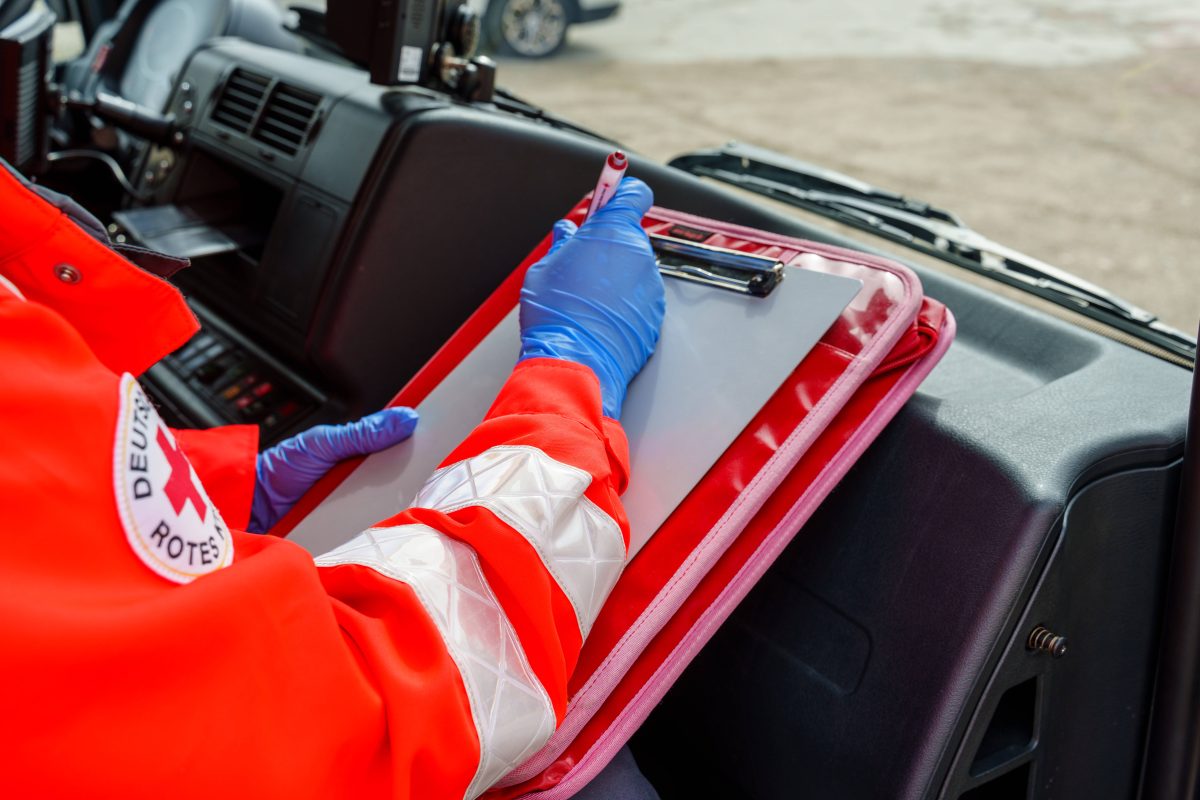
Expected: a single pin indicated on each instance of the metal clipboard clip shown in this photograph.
(716, 266)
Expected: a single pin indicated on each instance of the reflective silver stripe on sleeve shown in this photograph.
(512, 712)
(542, 499)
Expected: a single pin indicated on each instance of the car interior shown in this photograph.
(347, 204)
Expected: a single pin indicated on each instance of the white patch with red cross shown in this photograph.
(170, 522)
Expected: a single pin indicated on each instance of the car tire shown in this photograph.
(528, 28)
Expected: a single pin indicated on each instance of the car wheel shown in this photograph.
(528, 28)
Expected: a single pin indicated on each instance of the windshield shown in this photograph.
(1067, 133)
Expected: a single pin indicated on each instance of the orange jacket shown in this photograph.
(148, 647)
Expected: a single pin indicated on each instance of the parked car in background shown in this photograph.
(537, 28)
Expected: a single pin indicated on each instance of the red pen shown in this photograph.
(610, 176)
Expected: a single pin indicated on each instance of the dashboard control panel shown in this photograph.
(215, 379)
(234, 383)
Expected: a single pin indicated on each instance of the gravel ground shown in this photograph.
(1073, 135)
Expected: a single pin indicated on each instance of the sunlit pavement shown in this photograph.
(1068, 130)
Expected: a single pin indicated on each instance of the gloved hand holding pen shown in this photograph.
(596, 298)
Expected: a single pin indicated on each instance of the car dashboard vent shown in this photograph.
(241, 100)
(272, 112)
(288, 118)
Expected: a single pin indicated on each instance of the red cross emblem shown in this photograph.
(180, 488)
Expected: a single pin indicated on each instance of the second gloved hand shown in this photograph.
(286, 471)
(596, 298)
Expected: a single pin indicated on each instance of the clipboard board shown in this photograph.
(746, 507)
(721, 356)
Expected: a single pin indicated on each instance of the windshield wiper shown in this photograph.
(926, 228)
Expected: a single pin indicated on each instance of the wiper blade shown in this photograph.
(926, 228)
(950, 238)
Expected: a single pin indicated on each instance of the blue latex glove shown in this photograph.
(597, 298)
(287, 470)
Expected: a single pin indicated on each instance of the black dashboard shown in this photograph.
(277, 154)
